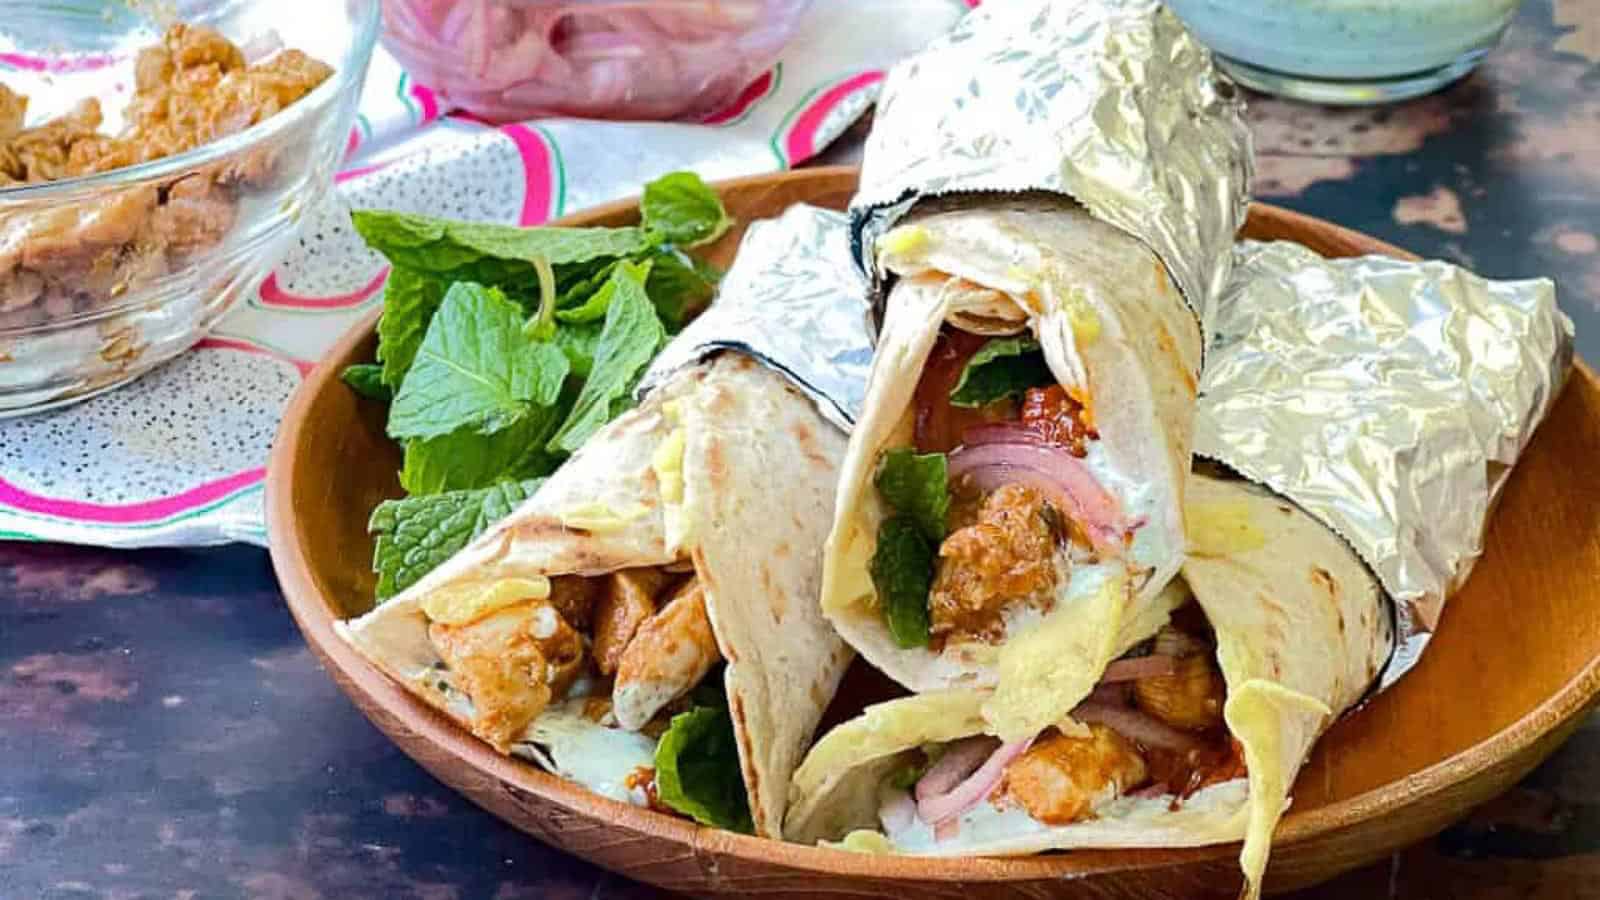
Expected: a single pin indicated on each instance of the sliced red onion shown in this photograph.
(1061, 476)
(1135, 726)
(947, 830)
(1134, 668)
(897, 813)
(530, 53)
(977, 786)
(960, 759)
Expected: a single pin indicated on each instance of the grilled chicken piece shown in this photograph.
(510, 662)
(1190, 698)
(574, 596)
(1061, 779)
(628, 599)
(197, 214)
(13, 110)
(667, 657)
(1006, 556)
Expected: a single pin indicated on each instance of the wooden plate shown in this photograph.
(1511, 672)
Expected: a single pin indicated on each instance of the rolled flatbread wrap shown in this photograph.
(661, 582)
(1035, 373)
(1193, 738)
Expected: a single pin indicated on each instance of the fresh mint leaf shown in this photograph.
(680, 286)
(1000, 368)
(697, 768)
(542, 327)
(683, 210)
(579, 342)
(366, 379)
(576, 292)
(629, 340)
(916, 485)
(410, 299)
(593, 309)
(416, 534)
(486, 252)
(902, 573)
(464, 459)
(475, 369)
(906, 777)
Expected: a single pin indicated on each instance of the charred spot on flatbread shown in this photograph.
(806, 440)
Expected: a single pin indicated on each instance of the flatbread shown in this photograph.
(1110, 322)
(758, 473)
(1302, 629)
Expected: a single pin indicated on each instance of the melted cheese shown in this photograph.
(1221, 528)
(458, 604)
(598, 518)
(1085, 321)
(1046, 671)
(863, 840)
(906, 242)
(668, 465)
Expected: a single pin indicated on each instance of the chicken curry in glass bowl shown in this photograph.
(152, 165)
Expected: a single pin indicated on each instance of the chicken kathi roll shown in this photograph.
(1011, 500)
(646, 623)
(1193, 736)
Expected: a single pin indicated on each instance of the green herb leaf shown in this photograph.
(905, 777)
(916, 485)
(683, 210)
(1001, 367)
(902, 572)
(486, 252)
(579, 343)
(410, 299)
(465, 460)
(697, 769)
(629, 340)
(366, 379)
(418, 533)
(680, 286)
(575, 290)
(542, 327)
(594, 308)
(475, 369)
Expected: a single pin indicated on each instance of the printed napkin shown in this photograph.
(178, 457)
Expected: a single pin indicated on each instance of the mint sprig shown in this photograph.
(476, 369)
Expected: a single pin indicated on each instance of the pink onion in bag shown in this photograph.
(507, 60)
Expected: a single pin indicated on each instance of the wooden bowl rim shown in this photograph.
(314, 615)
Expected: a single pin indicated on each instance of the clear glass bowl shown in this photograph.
(136, 301)
(1347, 52)
(507, 60)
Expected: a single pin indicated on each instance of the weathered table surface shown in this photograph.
(165, 733)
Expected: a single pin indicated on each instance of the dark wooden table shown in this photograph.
(164, 733)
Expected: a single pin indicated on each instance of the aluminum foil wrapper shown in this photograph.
(793, 301)
(1389, 399)
(1111, 102)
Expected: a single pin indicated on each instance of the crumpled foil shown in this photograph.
(793, 301)
(1389, 399)
(1111, 102)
